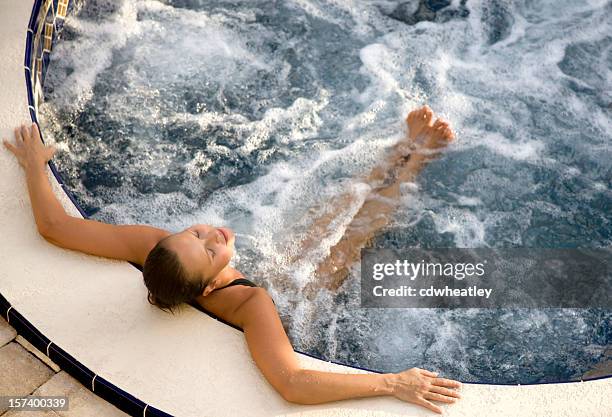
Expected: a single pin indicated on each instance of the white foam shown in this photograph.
(468, 230)
(91, 54)
(318, 11)
(468, 201)
(496, 97)
(522, 150)
(302, 116)
(379, 64)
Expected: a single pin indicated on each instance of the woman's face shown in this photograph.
(204, 250)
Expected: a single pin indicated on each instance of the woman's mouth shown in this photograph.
(225, 235)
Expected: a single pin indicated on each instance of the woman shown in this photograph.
(193, 266)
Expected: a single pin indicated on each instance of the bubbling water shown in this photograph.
(255, 114)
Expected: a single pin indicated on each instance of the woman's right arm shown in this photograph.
(124, 242)
(275, 357)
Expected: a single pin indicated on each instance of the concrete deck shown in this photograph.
(24, 374)
(188, 365)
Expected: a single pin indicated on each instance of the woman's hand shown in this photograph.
(419, 386)
(28, 148)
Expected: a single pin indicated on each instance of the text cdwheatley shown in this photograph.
(408, 291)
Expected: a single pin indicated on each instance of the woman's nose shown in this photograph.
(213, 236)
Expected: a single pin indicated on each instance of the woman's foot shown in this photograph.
(423, 133)
(419, 122)
(425, 141)
(432, 135)
(439, 135)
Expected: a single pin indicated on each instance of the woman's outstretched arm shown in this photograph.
(125, 242)
(273, 354)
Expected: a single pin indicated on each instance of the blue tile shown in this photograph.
(74, 201)
(69, 364)
(33, 115)
(4, 306)
(30, 93)
(156, 412)
(28, 52)
(120, 398)
(34, 16)
(27, 330)
(55, 172)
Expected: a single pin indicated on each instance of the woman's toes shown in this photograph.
(447, 134)
(427, 114)
(440, 122)
(413, 116)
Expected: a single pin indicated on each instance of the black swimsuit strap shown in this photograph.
(240, 281)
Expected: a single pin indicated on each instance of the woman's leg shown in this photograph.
(320, 226)
(406, 159)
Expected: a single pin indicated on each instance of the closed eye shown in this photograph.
(211, 251)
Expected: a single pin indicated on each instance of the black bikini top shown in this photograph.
(238, 281)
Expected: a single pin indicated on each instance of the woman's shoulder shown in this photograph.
(224, 304)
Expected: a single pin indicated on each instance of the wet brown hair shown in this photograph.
(167, 280)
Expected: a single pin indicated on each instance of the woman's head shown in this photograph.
(185, 264)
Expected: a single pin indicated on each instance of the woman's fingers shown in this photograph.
(18, 138)
(17, 151)
(9, 146)
(49, 152)
(28, 147)
(428, 404)
(445, 391)
(439, 397)
(35, 131)
(421, 387)
(443, 382)
(428, 373)
(25, 133)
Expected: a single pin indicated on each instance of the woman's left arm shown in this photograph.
(272, 352)
(125, 242)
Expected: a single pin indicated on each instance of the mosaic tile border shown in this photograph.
(47, 16)
(44, 28)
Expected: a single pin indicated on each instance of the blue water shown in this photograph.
(248, 114)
